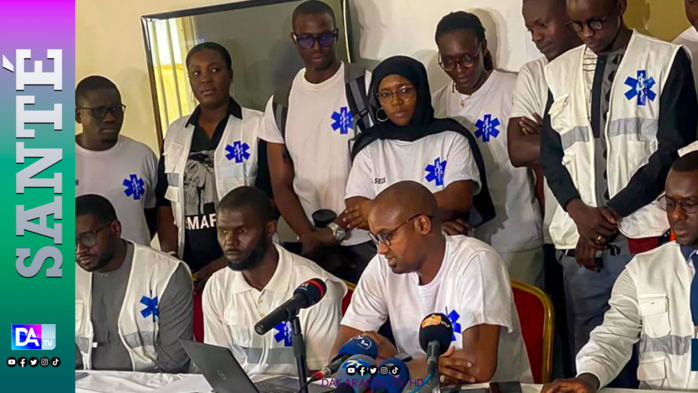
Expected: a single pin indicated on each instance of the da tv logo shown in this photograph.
(34, 337)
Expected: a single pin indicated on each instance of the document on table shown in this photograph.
(193, 383)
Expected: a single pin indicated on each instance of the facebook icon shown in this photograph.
(33, 337)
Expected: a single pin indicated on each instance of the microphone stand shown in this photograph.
(433, 369)
(299, 352)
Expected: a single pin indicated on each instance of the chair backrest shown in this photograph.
(198, 318)
(347, 298)
(536, 317)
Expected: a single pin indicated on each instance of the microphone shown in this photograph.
(393, 375)
(435, 338)
(354, 373)
(306, 295)
(359, 345)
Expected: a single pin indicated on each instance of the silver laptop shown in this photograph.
(225, 375)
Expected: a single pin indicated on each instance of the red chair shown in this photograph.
(198, 319)
(347, 298)
(536, 317)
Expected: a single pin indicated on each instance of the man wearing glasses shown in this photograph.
(481, 100)
(620, 107)
(418, 271)
(655, 301)
(132, 304)
(308, 125)
(115, 166)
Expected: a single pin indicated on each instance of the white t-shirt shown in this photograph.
(518, 224)
(126, 175)
(435, 161)
(474, 289)
(231, 308)
(318, 130)
(689, 39)
(531, 96)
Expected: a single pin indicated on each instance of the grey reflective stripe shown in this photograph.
(670, 345)
(274, 355)
(635, 129)
(140, 339)
(577, 134)
(173, 179)
(83, 344)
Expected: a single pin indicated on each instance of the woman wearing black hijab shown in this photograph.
(408, 143)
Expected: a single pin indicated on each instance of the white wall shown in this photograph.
(109, 41)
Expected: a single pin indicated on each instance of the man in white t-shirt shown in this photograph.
(260, 277)
(481, 101)
(546, 21)
(689, 38)
(458, 276)
(117, 167)
(308, 154)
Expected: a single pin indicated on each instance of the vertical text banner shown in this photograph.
(37, 196)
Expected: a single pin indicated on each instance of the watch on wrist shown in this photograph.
(338, 232)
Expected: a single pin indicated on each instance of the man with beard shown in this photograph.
(260, 277)
(132, 304)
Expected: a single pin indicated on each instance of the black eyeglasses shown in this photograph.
(89, 239)
(307, 41)
(594, 24)
(385, 237)
(405, 93)
(688, 206)
(98, 112)
(466, 61)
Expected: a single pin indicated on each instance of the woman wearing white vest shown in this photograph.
(481, 100)
(655, 301)
(132, 304)
(408, 143)
(205, 155)
(620, 108)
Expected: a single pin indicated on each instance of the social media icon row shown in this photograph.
(373, 370)
(33, 362)
(36, 337)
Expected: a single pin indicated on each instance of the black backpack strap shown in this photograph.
(279, 104)
(355, 82)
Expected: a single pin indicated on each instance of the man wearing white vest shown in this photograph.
(481, 100)
(260, 277)
(112, 165)
(546, 21)
(309, 123)
(655, 301)
(132, 304)
(620, 107)
(205, 155)
(689, 38)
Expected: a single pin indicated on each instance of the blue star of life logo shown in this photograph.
(435, 172)
(238, 152)
(454, 317)
(343, 120)
(151, 307)
(135, 187)
(641, 88)
(283, 333)
(487, 127)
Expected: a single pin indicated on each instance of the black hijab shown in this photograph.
(423, 123)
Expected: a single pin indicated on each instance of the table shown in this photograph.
(134, 382)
